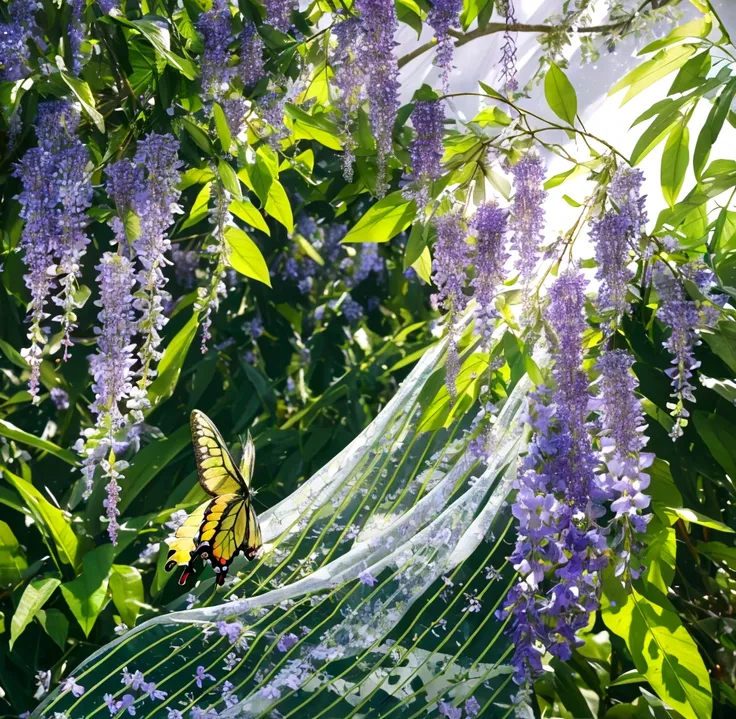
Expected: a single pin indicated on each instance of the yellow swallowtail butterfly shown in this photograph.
(223, 526)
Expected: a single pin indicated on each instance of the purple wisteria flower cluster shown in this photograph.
(508, 57)
(278, 13)
(558, 501)
(489, 224)
(376, 56)
(614, 235)
(426, 149)
(215, 26)
(14, 36)
(526, 221)
(250, 68)
(682, 317)
(208, 298)
(57, 191)
(451, 261)
(132, 300)
(443, 16)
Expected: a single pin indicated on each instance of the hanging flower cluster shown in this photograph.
(250, 68)
(558, 499)
(215, 25)
(426, 149)
(209, 297)
(526, 221)
(14, 36)
(56, 194)
(489, 225)
(278, 13)
(508, 57)
(451, 260)
(77, 33)
(376, 56)
(443, 16)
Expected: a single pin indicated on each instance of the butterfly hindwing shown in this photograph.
(217, 471)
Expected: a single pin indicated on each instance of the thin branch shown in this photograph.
(495, 27)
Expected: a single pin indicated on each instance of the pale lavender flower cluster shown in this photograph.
(215, 25)
(370, 261)
(112, 365)
(107, 6)
(613, 235)
(250, 67)
(349, 77)
(508, 57)
(622, 439)
(625, 191)
(527, 214)
(278, 13)
(426, 148)
(135, 682)
(379, 24)
(557, 501)
(443, 16)
(14, 36)
(451, 260)
(77, 33)
(682, 317)
(208, 299)
(489, 226)
(56, 194)
(155, 204)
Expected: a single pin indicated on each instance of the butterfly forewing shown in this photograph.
(217, 471)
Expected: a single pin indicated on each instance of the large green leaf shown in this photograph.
(278, 205)
(86, 595)
(245, 257)
(712, 127)
(313, 127)
(54, 525)
(560, 94)
(34, 596)
(200, 207)
(55, 624)
(661, 65)
(386, 219)
(9, 430)
(12, 557)
(156, 30)
(245, 210)
(661, 648)
(718, 434)
(126, 588)
(675, 159)
(171, 363)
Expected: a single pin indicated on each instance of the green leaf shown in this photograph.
(690, 515)
(723, 342)
(198, 135)
(718, 552)
(675, 159)
(200, 207)
(712, 127)
(699, 27)
(126, 587)
(415, 245)
(384, 220)
(245, 257)
(258, 175)
(156, 31)
(12, 558)
(560, 94)
(246, 211)
(718, 434)
(83, 93)
(471, 10)
(313, 127)
(34, 596)
(12, 432)
(223, 129)
(659, 555)
(54, 525)
(169, 367)
(229, 179)
(660, 647)
(492, 116)
(654, 134)
(423, 266)
(692, 73)
(661, 65)
(150, 461)
(55, 624)
(278, 206)
(86, 596)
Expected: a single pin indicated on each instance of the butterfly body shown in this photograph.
(223, 526)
